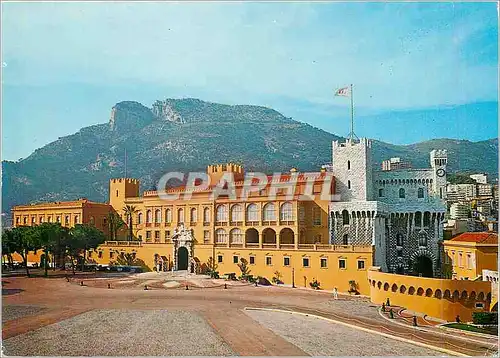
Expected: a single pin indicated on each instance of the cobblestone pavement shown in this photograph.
(122, 333)
(321, 338)
(220, 308)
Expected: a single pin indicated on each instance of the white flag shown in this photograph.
(343, 92)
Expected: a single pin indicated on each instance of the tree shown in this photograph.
(83, 238)
(8, 246)
(243, 265)
(115, 223)
(129, 211)
(23, 240)
(51, 237)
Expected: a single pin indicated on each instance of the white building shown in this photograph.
(460, 192)
(459, 211)
(480, 178)
(400, 213)
(484, 190)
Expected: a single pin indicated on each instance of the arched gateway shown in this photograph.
(183, 249)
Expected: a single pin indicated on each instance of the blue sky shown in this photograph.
(66, 64)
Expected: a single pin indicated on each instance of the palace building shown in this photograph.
(399, 212)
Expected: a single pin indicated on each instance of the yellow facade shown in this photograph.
(67, 213)
(468, 254)
(320, 262)
(444, 299)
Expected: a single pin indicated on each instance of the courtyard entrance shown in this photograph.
(182, 255)
(423, 266)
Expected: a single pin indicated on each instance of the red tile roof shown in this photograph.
(478, 237)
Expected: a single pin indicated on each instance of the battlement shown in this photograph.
(438, 157)
(124, 180)
(351, 143)
(228, 167)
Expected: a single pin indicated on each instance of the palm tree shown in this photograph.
(129, 211)
(115, 223)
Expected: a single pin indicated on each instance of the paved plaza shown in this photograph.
(56, 316)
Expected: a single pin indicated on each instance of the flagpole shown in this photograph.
(352, 115)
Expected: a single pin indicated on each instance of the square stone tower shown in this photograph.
(439, 160)
(352, 168)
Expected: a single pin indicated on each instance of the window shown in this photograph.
(252, 260)
(402, 193)
(302, 214)
(361, 264)
(92, 220)
(99, 254)
(422, 239)
(235, 259)
(157, 235)
(469, 261)
(381, 193)
(269, 212)
(139, 218)
(345, 239)
(168, 216)
(305, 261)
(479, 305)
(269, 261)
(399, 239)
(452, 258)
(117, 193)
(167, 234)
(427, 218)
(40, 220)
(237, 213)
(206, 236)
(148, 234)
(286, 212)
(323, 262)
(149, 216)
(420, 193)
(348, 184)
(49, 219)
(219, 258)
(460, 262)
(221, 213)
(58, 219)
(236, 236)
(348, 165)
(158, 216)
(111, 254)
(66, 220)
(194, 215)
(317, 216)
(221, 236)
(342, 264)
(180, 216)
(286, 261)
(206, 215)
(252, 212)
(345, 217)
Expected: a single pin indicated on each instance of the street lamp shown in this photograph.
(293, 277)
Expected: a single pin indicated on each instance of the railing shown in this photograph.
(287, 246)
(168, 224)
(235, 244)
(236, 223)
(148, 224)
(270, 223)
(306, 246)
(157, 240)
(157, 224)
(206, 224)
(221, 223)
(193, 223)
(285, 222)
(268, 246)
(252, 244)
(220, 244)
(252, 223)
(122, 243)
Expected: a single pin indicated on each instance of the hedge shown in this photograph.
(485, 317)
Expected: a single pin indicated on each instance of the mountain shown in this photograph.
(187, 135)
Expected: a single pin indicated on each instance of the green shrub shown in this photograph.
(485, 317)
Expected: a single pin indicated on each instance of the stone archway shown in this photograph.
(182, 258)
(422, 266)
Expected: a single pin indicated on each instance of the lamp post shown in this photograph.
(293, 277)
